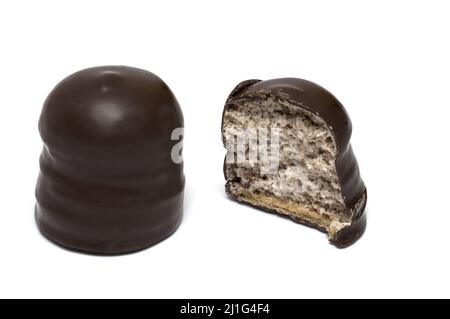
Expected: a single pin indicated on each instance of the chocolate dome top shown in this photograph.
(109, 105)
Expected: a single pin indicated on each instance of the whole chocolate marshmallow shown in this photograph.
(108, 182)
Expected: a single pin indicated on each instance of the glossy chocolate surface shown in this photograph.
(107, 183)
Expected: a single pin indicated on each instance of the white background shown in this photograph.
(388, 63)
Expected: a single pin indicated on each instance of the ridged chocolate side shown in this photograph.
(107, 182)
(316, 99)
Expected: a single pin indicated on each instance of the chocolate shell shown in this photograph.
(318, 102)
(107, 182)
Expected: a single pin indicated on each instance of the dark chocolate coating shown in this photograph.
(319, 101)
(107, 183)
(349, 235)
